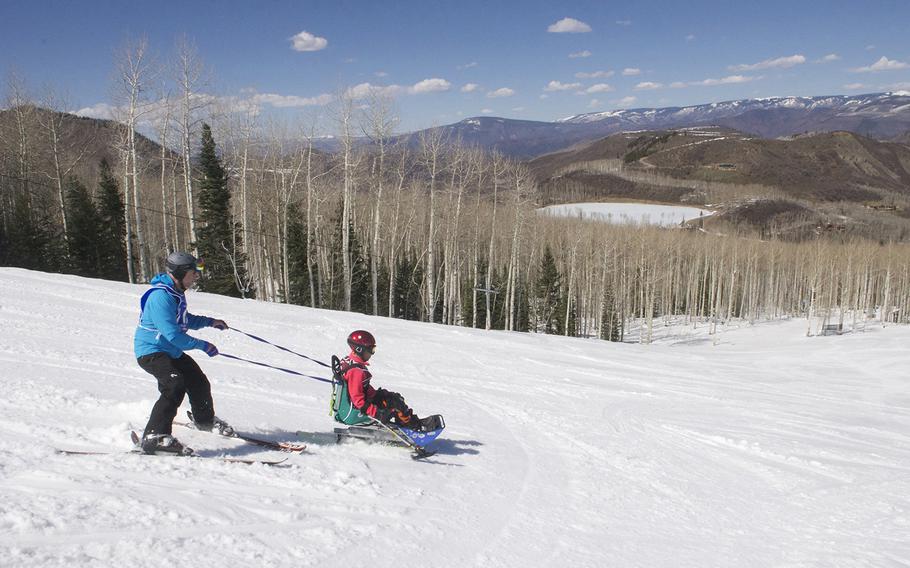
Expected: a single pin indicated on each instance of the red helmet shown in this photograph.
(362, 341)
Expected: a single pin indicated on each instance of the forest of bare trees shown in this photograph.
(423, 228)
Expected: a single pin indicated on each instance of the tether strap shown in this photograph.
(276, 368)
(250, 335)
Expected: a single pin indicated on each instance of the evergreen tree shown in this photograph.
(611, 329)
(33, 240)
(84, 231)
(361, 284)
(225, 265)
(523, 306)
(298, 276)
(547, 296)
(408, 285)
(561, 316)
(112, 233)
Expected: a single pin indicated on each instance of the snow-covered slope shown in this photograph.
(874, 105)
(766, 449)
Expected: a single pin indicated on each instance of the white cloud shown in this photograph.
(626, 101)
(289, 101)
(467, 65)
(829, 58)
(364, 90)
(780, 62)
(469, 87)
(729, 80)
(569, 26)
(598, 88)
(434, 85)
(677, 85)
(305, 41)
(870, 47)
(544, 96)
(594, 103)
(381, 74)
(101, 110)
(624, 22)
(690, 37)
(518, 109)
(486, 111)
(501, 92)
(557, 86)
(648, 86)
(578, 54)
(883, 64)
(630, 71)
(594, 75)
(855, 86)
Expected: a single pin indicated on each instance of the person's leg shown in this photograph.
(198, 390)
(395, 402)
(171, 388)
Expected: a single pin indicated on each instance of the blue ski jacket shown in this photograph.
(164, 321)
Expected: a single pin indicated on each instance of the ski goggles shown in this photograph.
(199, 266)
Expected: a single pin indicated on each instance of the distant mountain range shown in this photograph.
(882, 116)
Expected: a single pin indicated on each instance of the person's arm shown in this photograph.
(358, 394)
(161, 310)
(198, 322)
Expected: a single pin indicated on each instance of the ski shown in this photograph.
(376, 431)
(280, 446)
(137, 452)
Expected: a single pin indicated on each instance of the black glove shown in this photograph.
(384, 415)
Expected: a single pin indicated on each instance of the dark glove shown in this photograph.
(384, 415)
(209, 349)
(395, 399)
(219, 324)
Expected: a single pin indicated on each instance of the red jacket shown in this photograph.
(357, 377)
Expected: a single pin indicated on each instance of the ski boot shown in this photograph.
(217, 426)
(410, 421)
(164, 444)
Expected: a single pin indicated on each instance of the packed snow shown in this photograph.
(756, 447)
(622, 213)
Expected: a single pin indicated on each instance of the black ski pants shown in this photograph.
(176, 378)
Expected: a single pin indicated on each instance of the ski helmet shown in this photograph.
(362, 341)
(179, 263)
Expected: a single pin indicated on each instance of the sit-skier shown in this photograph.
(359, 401)
(160, 342)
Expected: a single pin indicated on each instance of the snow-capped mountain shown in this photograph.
(878, 105)
(884, 116)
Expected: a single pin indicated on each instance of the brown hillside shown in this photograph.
(839, 166)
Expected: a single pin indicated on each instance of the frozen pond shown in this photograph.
(628, 213)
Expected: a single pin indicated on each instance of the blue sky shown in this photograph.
(444, 61)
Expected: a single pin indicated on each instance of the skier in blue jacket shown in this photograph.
(159, 344)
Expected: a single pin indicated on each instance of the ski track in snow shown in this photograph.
(768, 449)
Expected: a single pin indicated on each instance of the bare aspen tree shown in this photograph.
(402, 171)
(63, 157)
(133, 72)
(23, 109)
(344, 117)
(432, 142)
(123, 152)
(480, 181)
(498, 165)
(162, 129)
(189, 73)
(380, 125)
